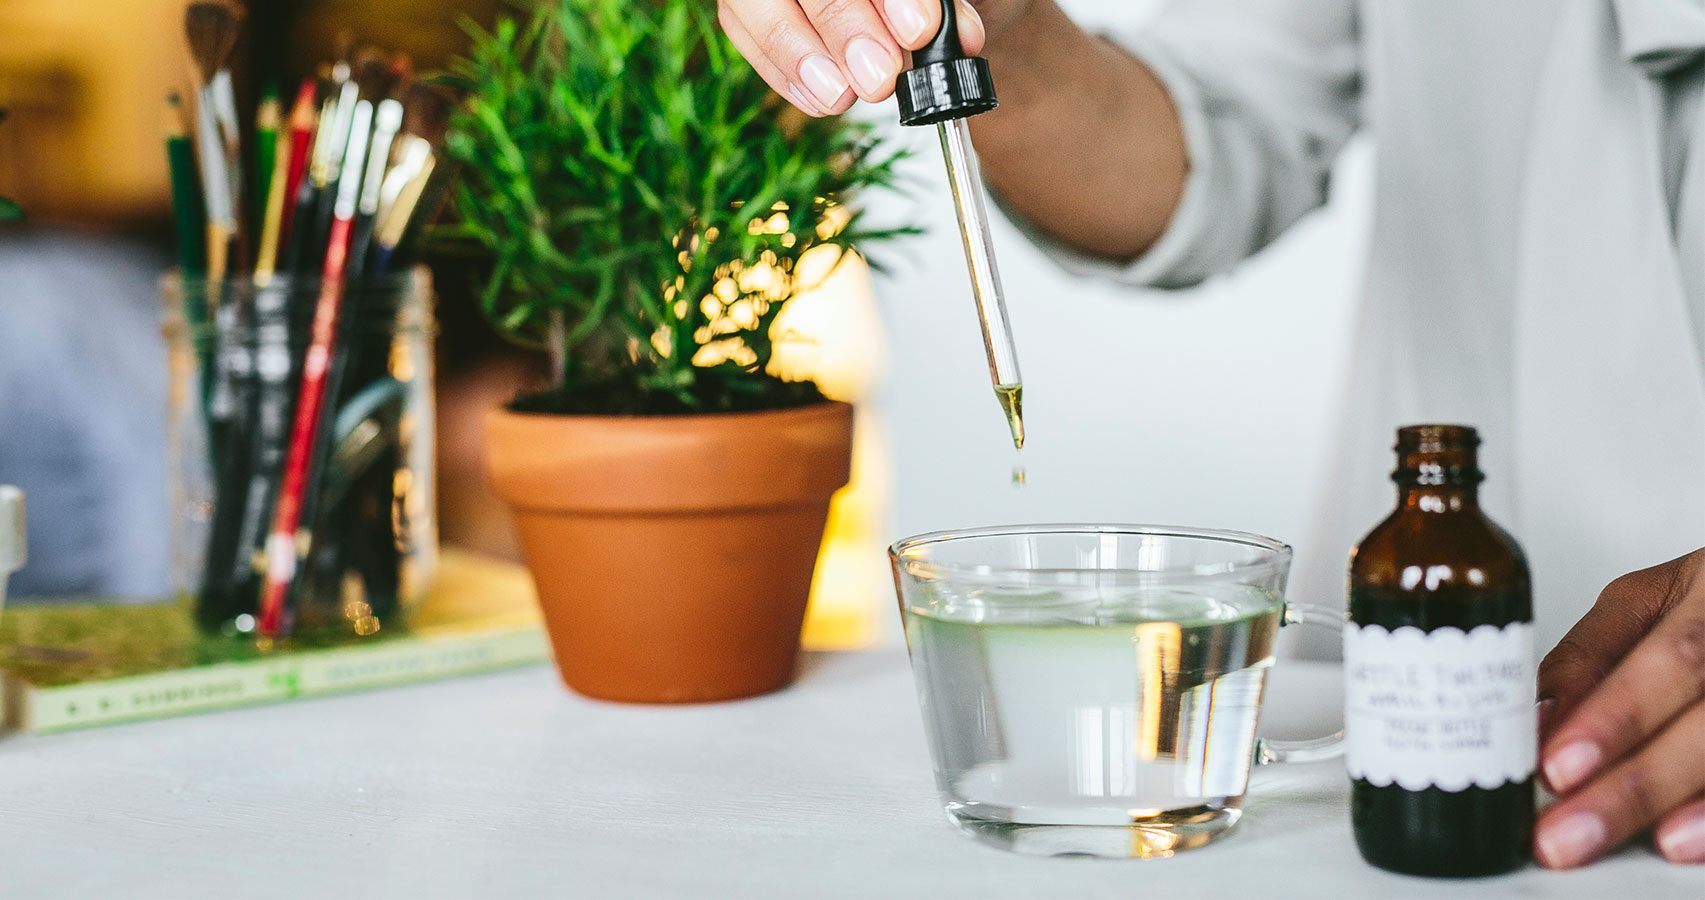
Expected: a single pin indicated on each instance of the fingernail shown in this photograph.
(1571, 764)
(823, 79)
(908, 19)
(1684, 842)
(1571, 841)
(969, 13)
(873, 70)
(798, 98)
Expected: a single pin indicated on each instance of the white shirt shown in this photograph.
(1537, 265)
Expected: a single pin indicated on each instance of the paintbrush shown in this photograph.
(303, 259)
(327, 173)
(231, 579)
(203, 299)
(324, 552)
(186, 197)
(272, 223)
(359, 532)
(276, 372)
(216, 194)
(212, 27)
(188, 218)
(275, 369)
(416, 184)
(387, 121)
(378, 81)
(287, 542)
(426, 116)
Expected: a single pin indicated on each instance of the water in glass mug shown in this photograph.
(1066, 707)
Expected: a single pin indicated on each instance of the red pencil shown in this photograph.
(302, 121)
(319, 378)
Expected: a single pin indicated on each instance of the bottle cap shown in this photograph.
(944, 83)
(948, 89)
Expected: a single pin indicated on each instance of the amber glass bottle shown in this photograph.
(1439, 676)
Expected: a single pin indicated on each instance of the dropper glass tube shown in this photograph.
(944, 87)
(967, 185)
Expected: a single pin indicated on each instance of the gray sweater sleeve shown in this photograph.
(1268, 92)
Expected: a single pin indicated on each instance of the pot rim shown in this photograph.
(816, 406)
(633, 465)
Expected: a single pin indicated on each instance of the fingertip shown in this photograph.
(972, 34)
(801, 102)
(1681, 837)
(1568, 766)
(1572, 840)
(873, 68)
(912, 22)
(847, 99)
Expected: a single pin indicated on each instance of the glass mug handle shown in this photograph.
(1312, 749)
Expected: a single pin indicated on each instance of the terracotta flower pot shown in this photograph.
(673, 554)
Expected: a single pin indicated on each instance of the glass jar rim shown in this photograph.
(1274, 558)
(400, 302)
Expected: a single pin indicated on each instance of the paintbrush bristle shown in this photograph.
(426, 111)
(373, 76)
(402, 72)
(345, 46)
(212, 27)
(176, 127)
(267, 115)
(302, 114)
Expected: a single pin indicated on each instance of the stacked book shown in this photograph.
(67, 666)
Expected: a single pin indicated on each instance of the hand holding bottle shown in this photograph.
(824, 54)
(1622, 702)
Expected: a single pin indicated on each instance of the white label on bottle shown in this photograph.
(1439, 708)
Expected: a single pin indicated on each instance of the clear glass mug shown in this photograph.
(1095, 689)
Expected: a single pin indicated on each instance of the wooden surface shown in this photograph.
(507, 786)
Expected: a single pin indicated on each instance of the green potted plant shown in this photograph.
(644, 202)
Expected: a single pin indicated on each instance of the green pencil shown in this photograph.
(266, 151)
(187, 213)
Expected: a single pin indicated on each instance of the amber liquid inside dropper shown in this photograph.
(966, 182)
(1011, 397)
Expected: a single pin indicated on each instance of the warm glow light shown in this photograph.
(830, 332)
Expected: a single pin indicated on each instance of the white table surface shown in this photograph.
(506, 785)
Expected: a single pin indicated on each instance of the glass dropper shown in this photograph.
(967, 184)
(943, 88)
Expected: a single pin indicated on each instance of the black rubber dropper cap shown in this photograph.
(943, 83)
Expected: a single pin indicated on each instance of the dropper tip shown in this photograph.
(1011, 397)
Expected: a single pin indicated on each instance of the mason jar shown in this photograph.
(361, 473)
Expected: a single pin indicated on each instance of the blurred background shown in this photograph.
(1207, 407)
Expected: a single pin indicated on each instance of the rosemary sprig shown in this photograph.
(623, 168)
